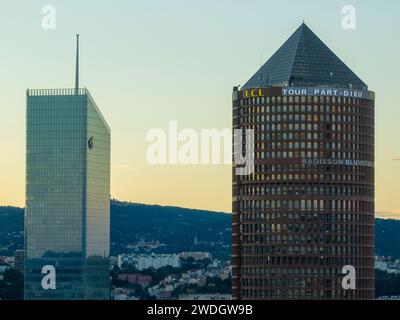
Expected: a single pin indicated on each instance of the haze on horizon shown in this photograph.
(148, 63)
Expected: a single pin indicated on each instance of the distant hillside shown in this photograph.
(11, 219)
(177, 229)
(387, 237)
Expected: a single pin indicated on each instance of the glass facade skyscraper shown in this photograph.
(67, 195)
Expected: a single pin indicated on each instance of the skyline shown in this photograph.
(152, 80)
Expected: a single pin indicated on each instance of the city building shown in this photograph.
(305, 209)
(7, 260)
(123, 294)
(387, 264)
(4, 267)
(208, 296)
(134, 278)
(67, 196)
(381, 265)
(146, 261)
(197, 256)
(19, 260)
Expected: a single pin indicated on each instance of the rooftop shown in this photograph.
(58, 92)
(304, 61)
(66, 92)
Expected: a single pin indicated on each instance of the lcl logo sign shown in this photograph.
(253, 93)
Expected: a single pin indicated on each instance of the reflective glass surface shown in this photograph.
(67, 195)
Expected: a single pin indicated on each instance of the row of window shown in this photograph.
(306, 168)
(356, 122)
(302, 99)
(298, 177)
(306, 136)
(265, 155)
(306, 217)
(261, 240)
(285, 190)
(327, 109)
(310, 280)
(304, 294)
(276, 131)
(261, 228)
(257, 243)
(322, 147)
(261, 234)
(292, 272)
(307, 205)
(303, 260)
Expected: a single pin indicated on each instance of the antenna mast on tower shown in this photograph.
(77, 65)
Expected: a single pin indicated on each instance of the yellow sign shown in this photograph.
(253, 93)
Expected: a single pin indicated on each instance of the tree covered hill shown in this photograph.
(387, 237)
(144, 228)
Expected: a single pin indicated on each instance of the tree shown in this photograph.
(13, 285)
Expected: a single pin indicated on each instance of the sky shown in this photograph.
(150, 62)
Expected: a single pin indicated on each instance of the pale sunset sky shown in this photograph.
(150, 62)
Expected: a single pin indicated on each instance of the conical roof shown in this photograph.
(304, 61)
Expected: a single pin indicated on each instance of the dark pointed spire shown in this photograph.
(304, 60)
(77, 64)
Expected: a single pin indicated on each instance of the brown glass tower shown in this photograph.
(307, 208)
